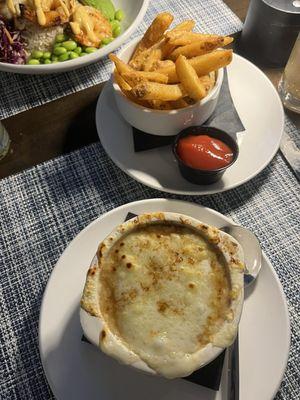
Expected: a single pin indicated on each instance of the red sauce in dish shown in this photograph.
(204, 152)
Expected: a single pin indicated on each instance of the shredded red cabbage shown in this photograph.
(12, 46)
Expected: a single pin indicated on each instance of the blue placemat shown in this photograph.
(43, 208)
(23, 92)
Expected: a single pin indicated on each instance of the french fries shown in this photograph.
(162, 64)
(211, 62)
(178, 38)
(154, 55)
(180, 103)
(160, 105)
(124, 86)
(135, 77)
(166, 46)
(208, 81)
(202, 64)
(187, 25)
(172, 69)
(145, 53)
(158, 91)
(140, 60)
(199, 47)
(120, 65)
(189, 79)
(154, 33)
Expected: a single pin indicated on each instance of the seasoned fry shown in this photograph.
(180, 103)
(158, 91)
(208, 81)
(154, 33)
(207, 63)
(170, 71)
(166, 47)
(187, 25)
(189, 100)
(227, 40)
(189, 79)
(203, 65)
(162, 64)
(136, 77)
(120, 65)
(155, 55)
(160, 105)
(124, 86)
(126, 89)
(173, 69)
(140, 60)
(184, 38)
(198, 48)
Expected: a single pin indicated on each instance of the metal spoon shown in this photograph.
(252, 250)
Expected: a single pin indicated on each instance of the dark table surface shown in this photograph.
(68, 123)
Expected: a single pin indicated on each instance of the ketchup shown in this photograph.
(204, 152)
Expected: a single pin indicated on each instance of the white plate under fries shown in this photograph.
(259, 108)
(77, 370)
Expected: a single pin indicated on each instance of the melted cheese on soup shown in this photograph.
(165, 293)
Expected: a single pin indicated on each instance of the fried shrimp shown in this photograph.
(48, 12)
(89, 26)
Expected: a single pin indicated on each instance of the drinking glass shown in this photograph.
(289, 85)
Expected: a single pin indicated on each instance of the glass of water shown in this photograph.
(289, 85)
(4, 141)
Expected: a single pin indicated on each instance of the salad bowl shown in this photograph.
(134, 12)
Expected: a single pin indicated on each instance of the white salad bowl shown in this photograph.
(134, 13)
(94, 323)
(164, 122)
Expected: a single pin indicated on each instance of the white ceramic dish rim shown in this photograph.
(118, 91)
(125, 206)
(205, 354)
(81, 61)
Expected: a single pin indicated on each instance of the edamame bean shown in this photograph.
(47, 61)
(46, 55)
(36, 54)
(61, 38)
(90, 50)
(119, 15)
(63, 57)
(116, 31)
(82, 54)
(54, 58)
(69, 45)
(33, 61)
(78, 50)
(58, 51)
(73, 55)
(114, 24)
(106, 41)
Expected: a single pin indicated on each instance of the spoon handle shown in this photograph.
(248, 278)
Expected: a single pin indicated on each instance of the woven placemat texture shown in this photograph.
(23, 92)
(43, 208)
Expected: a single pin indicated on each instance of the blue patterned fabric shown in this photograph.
(43, 208)
(23, 92)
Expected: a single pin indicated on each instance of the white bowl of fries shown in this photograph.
(166, 81)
